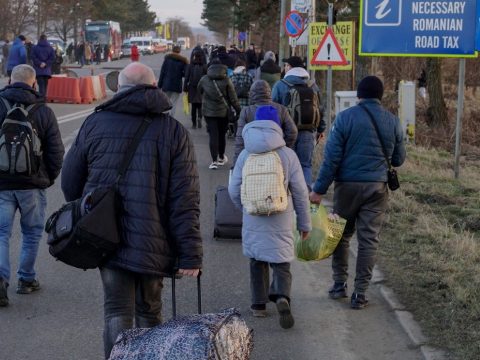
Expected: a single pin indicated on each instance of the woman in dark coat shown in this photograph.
(194, 73)
(218, 95)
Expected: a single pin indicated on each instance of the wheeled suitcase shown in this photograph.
(214, 336)
(228, 219)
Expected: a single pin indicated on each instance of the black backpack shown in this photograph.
(304, 106)
(20, 146)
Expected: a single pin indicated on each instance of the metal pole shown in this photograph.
(458, 131)
(312, 19)
(329, 76)
(283, 45)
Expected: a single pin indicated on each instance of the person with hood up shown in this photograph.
(43, 57)
(242, 82)
(197, 50)
(17, 54)
(218, 95)
(269, 70)
(160, 193)
(268, 240)
(260, 95)
(295, 74)
(252, 60)
(195, 71)
(171, 75)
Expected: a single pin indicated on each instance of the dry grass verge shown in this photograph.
(430, 248)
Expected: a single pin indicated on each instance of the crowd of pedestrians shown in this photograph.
(160, 194)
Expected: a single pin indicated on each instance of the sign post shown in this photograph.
(329, 74)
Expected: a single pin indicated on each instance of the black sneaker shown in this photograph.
(286, 318)
(358, 301)
(3, 293)
(338, 290)
(27, 287)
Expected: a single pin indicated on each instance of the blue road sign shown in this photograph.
(294, 24)
(418, 28)
(477, 44)
(242, 36)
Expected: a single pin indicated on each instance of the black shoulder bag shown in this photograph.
(85, 232)
(392, 177)
(231, 116)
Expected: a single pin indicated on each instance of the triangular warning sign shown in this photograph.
(329, 52)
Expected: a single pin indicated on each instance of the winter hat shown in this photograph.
(371, 87)
(268, 112)
(294, 61)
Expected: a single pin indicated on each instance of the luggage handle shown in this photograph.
(174, 298)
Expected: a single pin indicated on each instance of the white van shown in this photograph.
(144, 44)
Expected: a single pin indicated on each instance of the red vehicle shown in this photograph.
(108, 35)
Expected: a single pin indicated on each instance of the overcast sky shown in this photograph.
(190, 10)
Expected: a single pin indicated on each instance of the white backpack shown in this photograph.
(263, 184)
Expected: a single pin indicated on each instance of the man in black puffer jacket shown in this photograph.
(27, 193)
(171, 75)
(160, 194)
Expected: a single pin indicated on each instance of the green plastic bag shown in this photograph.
(324, 237)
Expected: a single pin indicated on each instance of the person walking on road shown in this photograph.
(17, 55)
(43, 57)
(195, 71)
(134, 54)
(355, 160)
(88, 53)
(269, 70)
(260, 95)
(310, 126)
(27, 193)
(242, 82)
(268, 240)
(171, 75)
(163, 175)
(218, 94)
(5, 52)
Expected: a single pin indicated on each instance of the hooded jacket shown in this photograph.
(270, 238)
(17, 55)
(260, 94)
(212, 103)
(172, 72)
(45, 123)
(43, 53)
(353, 152)
(160, 191)
(269, 70)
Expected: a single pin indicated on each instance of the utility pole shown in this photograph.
(284, 48)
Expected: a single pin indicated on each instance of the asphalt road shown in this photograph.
(64, 320)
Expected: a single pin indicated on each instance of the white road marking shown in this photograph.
(71, 117)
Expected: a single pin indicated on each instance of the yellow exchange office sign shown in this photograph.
(344, 32)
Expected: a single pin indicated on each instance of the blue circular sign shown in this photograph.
(293, 24)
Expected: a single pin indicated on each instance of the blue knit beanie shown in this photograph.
(268, 112)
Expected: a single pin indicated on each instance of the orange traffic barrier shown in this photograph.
(86, 89)
(64, 90)
(103, 85)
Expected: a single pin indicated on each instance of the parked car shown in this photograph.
(126, 50)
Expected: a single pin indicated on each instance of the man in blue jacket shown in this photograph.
(295, 74)
(354, 159)
(43, 57)
(17, 55)
(171, 75)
